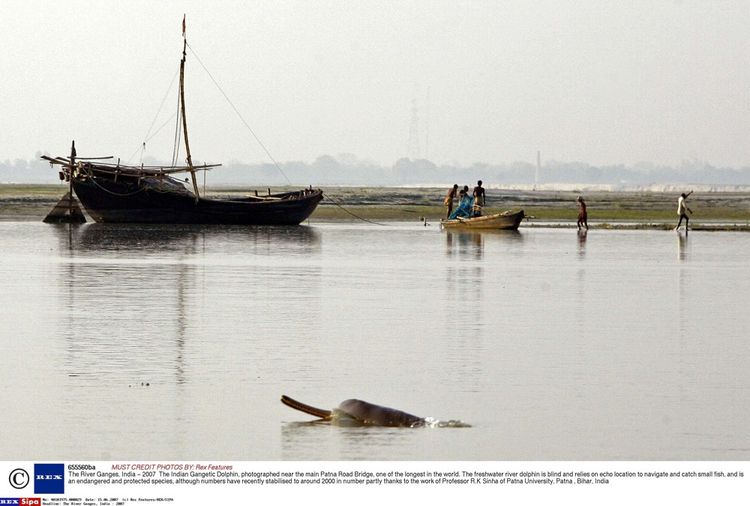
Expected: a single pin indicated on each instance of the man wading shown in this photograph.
(683, 209)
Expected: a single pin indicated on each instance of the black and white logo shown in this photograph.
(18, 478)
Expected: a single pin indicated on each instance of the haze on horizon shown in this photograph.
(598, 82)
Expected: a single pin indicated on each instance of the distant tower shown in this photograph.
(538, 167)
(413, 149)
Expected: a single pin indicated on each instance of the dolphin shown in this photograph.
(354, 412)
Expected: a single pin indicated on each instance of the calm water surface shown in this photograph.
(172, 343)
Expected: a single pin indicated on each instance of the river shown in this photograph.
(176, 342)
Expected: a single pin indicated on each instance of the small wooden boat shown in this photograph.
(508, 220)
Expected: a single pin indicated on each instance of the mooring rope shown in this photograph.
(340, 206)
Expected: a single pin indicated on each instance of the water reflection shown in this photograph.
(582, 234)
(464, 243)
(464, 279)
(131, 297)
(466, 309)
(65, 233)
(472, 243)
(126, 323)
(125, 238)
(682, 246)
(305, 439)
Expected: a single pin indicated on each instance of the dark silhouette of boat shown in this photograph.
(115, 193)
(138, 195)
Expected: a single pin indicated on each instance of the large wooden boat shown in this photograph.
(116, 193)
(508, 220)
(127, 194)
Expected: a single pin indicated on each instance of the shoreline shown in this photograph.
(549, 209)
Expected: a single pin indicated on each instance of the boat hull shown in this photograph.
(108, 201)
(501, 221)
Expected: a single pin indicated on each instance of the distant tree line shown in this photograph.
(347, 169)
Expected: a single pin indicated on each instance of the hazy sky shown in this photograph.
(604, 82)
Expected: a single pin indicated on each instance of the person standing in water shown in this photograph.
(683, 209)
(449, 199)
(582, 214)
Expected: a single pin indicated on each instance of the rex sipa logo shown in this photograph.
(49, 478)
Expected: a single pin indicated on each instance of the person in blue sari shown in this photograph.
(465, 205)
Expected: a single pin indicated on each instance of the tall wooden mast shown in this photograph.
(182, 106)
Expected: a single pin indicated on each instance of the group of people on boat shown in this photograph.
(469, 204)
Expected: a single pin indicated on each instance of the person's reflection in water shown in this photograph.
(464, 243)
(682, 243)
(582, 233)
(478, 245)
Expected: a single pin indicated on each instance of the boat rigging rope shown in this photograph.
(148, 135)
(263, 146)
(239, 115)
(140, 189)
(129, 194)
(143, 146)
(177, 135)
